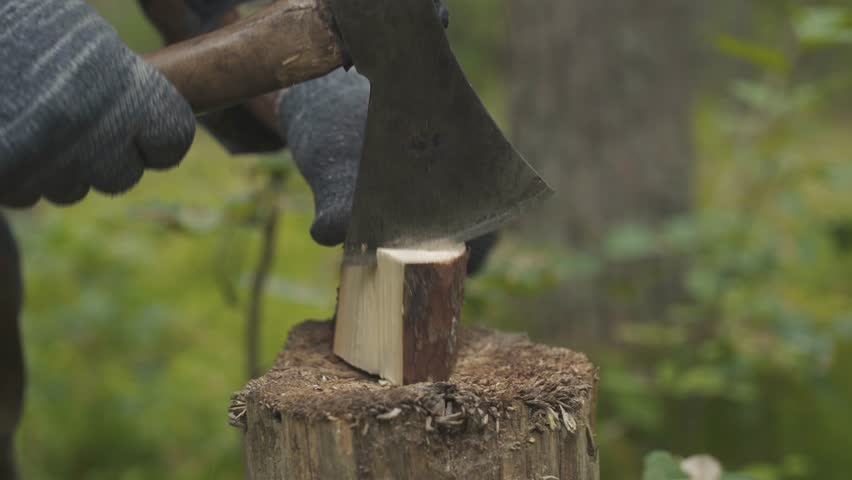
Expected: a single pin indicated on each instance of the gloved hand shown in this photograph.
(324, 121)
(78, 109)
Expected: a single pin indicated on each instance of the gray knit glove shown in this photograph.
(78, 109)
(324, 121)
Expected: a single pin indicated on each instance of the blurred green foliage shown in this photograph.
(135, 308)
(755, 367)
(665, 466)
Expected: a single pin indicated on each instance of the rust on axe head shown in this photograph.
(435, 166)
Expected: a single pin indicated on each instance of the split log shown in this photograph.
(397, 317)
(512, 409)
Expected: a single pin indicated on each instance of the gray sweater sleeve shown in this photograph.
(78, 109)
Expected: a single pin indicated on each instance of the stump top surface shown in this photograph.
(494, 370)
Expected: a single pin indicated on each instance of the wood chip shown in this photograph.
(568, 420)
(389, 415)
(452, 420)
(552, 419)
(437, 409)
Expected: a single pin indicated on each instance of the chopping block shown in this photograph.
(512, 409)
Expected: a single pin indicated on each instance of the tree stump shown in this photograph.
(510, 410)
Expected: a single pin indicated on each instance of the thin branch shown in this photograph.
(264, 265)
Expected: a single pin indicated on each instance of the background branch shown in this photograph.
(269, 234)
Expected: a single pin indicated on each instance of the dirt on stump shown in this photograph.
(494, 371)
(512, 409)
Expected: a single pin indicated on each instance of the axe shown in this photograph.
(435, 170)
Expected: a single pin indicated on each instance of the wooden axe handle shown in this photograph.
(288, 42)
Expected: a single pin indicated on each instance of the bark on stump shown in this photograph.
(511, 410)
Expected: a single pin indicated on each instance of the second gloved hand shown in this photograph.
(324, 121)
(78, 109)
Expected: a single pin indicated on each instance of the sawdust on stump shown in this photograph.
(498, 377)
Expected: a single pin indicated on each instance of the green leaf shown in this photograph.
(823, 26)
(682, 233)
(579, 265)
(762, 97)
(761, 56)
(702, 283)
(242, 208)
(629, 242)
(660, 465)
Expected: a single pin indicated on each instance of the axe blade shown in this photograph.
(435, 166)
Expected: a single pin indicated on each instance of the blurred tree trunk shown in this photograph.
(600, 104)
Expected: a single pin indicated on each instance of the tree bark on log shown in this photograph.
(511, 410)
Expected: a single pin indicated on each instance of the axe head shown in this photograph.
(435, 167)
